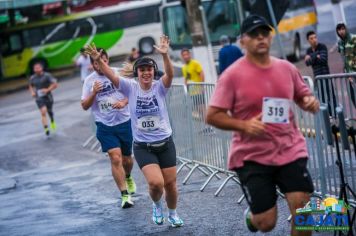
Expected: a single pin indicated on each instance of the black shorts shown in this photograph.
(259, 182)
(45, 101)
(162, 153)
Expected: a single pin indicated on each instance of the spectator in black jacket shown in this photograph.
(317, 55)
(317, 58)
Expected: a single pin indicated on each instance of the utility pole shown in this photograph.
(202, 49)
(275, 25)
(11, 14)
(338, 11)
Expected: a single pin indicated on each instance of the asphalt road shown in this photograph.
(64, 189)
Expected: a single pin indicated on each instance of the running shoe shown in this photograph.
(175, 221)
(53, 125)
(131, 186)
(126, 201)
(157, 215)
(247, 215)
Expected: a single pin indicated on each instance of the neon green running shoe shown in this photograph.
(53, 125)
(131, 186)
(126, 201)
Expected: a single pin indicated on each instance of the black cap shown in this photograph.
(145, 61)
(252, 22)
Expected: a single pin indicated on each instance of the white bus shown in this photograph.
(56, 42)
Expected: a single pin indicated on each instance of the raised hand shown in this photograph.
(92, 52)
(163, 46)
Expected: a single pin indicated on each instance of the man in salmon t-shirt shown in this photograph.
(267, 150)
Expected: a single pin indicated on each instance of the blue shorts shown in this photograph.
(118, 136)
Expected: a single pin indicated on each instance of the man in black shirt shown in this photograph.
(317, 55)
(41, 84)
(317, 58)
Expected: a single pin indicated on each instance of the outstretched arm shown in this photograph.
(168, 67)
(105, 68)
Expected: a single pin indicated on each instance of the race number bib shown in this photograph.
(148, 123)
(40, 93)
(105, 105)
(275, 110)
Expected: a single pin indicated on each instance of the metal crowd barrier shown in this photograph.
(91, 142)
(337, 90)
(199, 146)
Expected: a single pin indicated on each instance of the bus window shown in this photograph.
(5, 46)
(56, 33)
(140, 16)
(221, 15)
(107, 23)
(222, 19)
(15, 43)
(176, 27)
(32, 37)
(83, 25)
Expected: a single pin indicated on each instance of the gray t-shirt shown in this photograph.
(39, 82)
(102, 106)
(149, 116)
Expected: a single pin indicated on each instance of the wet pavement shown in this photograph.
(62, 188)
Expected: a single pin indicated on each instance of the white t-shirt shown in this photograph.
(84, 63)
(102, 105)
(149, 116)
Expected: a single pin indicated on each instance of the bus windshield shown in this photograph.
(222, 19)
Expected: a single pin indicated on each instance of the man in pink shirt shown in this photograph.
(267, 150)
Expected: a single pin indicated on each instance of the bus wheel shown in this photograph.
(296, 49)
(146, 45)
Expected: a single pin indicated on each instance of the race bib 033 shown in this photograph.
(148, 123)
